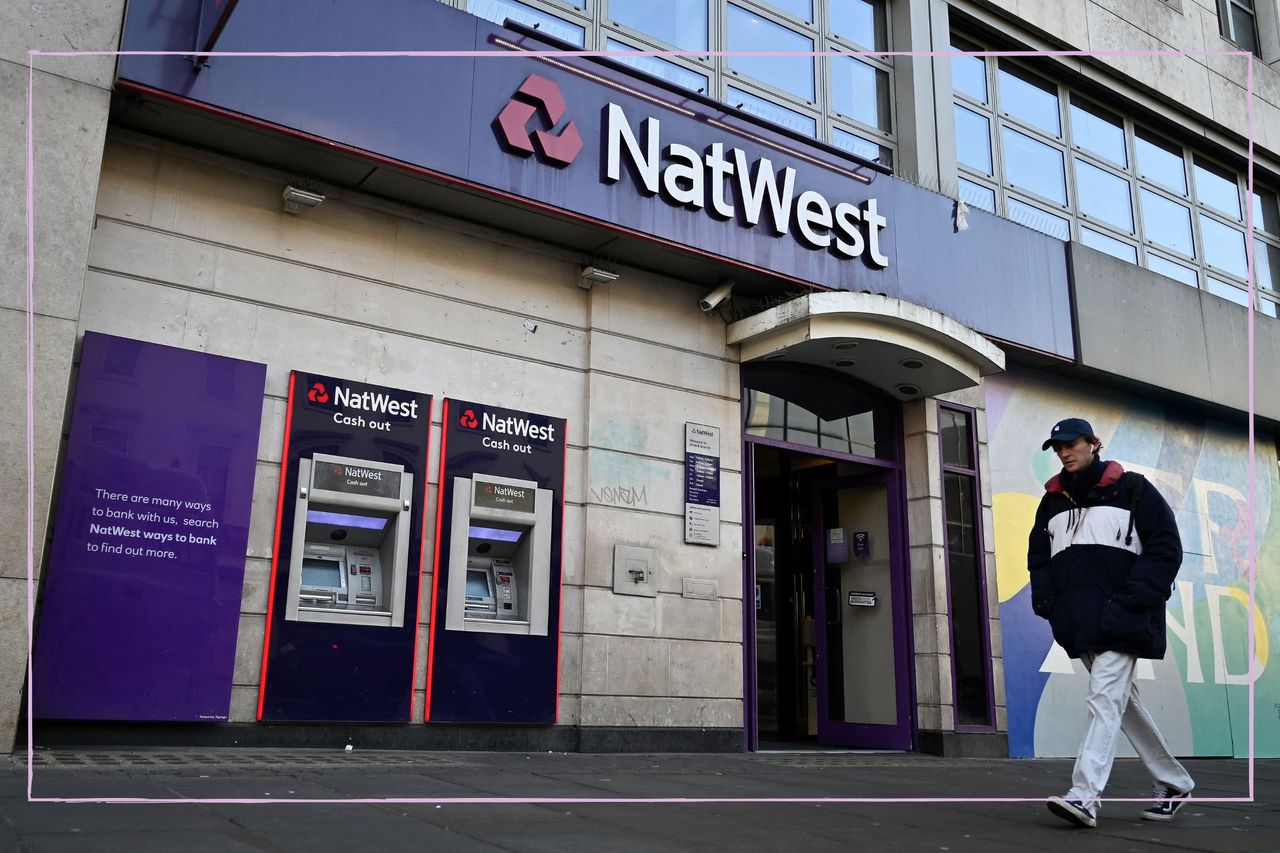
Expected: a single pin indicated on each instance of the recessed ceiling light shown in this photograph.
(912, 363)
(908, 390)
(845, 345)
(844, 362)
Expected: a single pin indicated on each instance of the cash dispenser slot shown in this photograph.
(499, 556)
(350, 549)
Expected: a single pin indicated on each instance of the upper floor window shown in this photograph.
(1238, 22)
(529, 15)
(681, 24)
(750, 33)
(827, 80)
(1044, 155)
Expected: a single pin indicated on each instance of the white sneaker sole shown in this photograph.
(1068, 812)
(1149, 815)
(1156, 816)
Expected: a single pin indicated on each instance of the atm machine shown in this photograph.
(349, 559)
(499, 556)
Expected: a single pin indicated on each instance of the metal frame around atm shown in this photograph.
(400, 505)
(464, 512)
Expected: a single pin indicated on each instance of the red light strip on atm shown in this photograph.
(275, 547)
(426, 488)
(435, 563)
(564, 475)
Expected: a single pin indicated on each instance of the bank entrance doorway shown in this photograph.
(829, 662)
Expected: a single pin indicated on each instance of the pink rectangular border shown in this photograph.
(1251, 567)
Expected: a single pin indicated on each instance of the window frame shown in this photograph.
(980, 559)
(1227, 24)
(593, 15)
(1144, 242)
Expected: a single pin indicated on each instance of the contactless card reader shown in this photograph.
(350, 549)
(499, 556)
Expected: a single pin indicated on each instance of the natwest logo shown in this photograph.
(522, 427)
(468, 420)
(724, 183)
(360, 473)
(536, 94)
(365, 401)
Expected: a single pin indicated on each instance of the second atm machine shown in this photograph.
(501, 531)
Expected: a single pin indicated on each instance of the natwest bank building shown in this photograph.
(438, 384)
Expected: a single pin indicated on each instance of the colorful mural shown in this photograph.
(1199, 693)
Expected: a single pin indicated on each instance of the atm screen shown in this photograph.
(320, 572)
(478, 585)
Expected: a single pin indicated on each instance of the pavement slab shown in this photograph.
(1010, 817)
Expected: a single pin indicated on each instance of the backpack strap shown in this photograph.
(1134, 482)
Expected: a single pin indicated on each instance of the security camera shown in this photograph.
(715, 297)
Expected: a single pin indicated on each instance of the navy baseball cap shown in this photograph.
(1068, 431)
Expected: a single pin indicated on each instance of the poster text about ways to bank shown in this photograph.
(149, 525)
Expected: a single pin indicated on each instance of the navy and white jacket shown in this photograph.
(1102, 566)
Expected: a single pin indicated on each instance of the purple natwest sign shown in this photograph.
(143, 588)
(607, 147)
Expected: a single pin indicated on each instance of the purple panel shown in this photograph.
(475, 677)
(395, 107)
(535, 131)
(142, 595)
(214, 15)
(321, 670)
(702, 479)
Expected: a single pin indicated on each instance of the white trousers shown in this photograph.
(1114, 707)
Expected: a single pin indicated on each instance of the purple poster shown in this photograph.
(143, 586)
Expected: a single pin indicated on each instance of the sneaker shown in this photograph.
(1168, 802)
(1074, 811)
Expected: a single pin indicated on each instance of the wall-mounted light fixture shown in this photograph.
(297, 200)
(589, 276)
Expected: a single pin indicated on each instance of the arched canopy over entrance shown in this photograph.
(903, 349)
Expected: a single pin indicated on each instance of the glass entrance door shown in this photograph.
(862, 666)
(822, 668)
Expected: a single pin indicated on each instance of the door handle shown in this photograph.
(834, 613)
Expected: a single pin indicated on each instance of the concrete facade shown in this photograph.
(1191, 342)
(165, 243)
(194, 251)
(68, 105)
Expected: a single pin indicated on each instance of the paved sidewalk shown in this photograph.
(700, 821)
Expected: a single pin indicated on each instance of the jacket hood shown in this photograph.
(1111, 473)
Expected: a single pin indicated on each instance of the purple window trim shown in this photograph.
(750, 678)
(823, 452)
(980, 547)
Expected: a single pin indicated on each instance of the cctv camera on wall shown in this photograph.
(715, 297)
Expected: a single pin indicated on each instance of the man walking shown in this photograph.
(1103, 554)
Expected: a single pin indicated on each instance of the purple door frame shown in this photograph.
(893, 475)
(838, 733)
